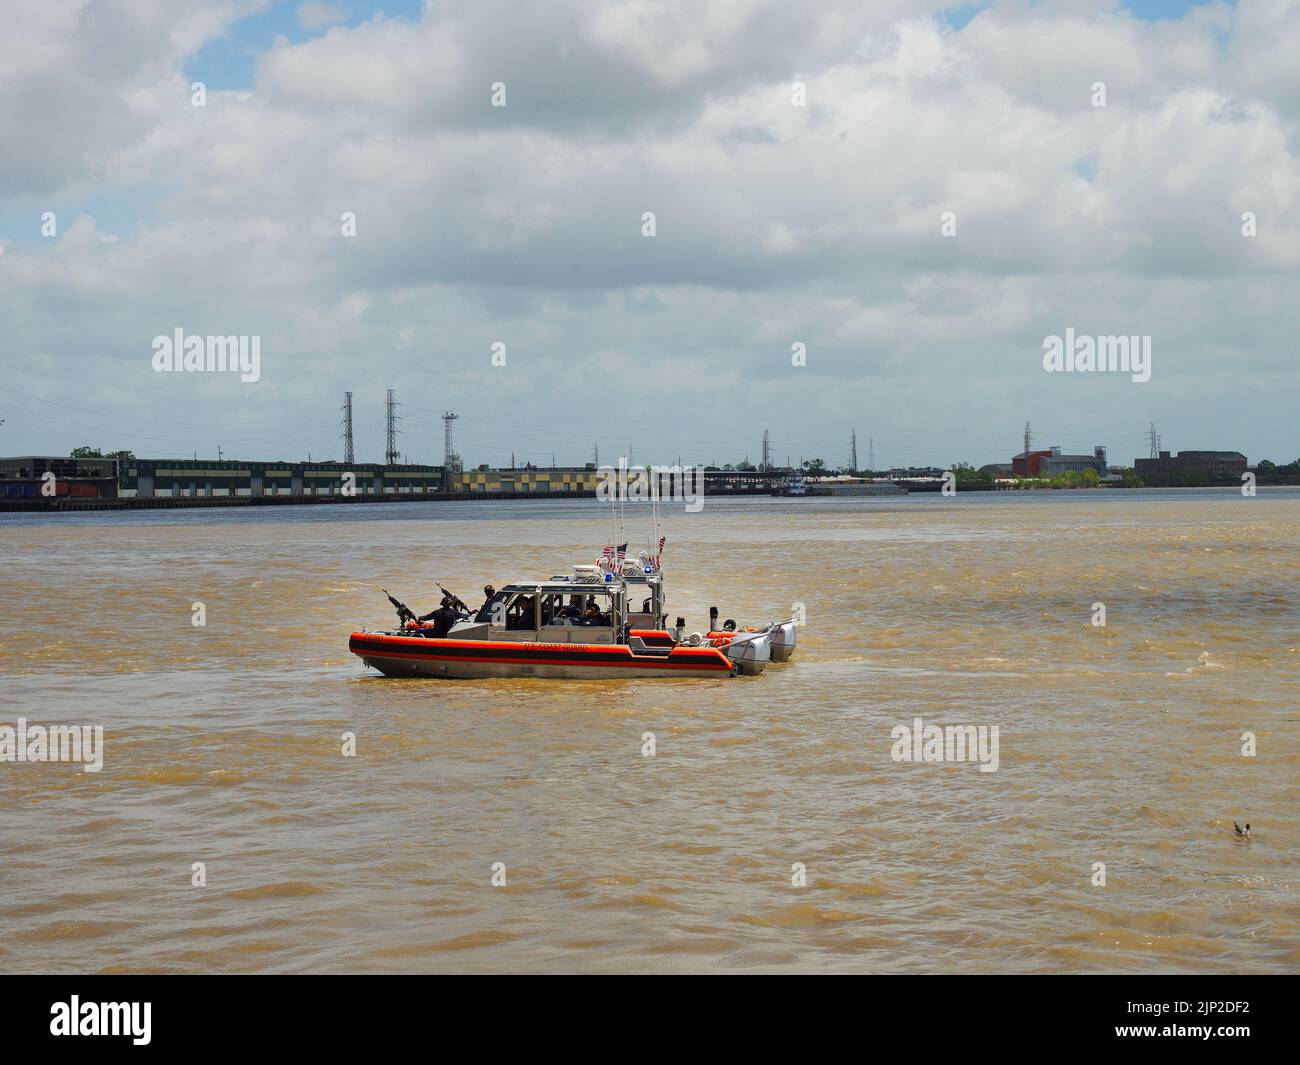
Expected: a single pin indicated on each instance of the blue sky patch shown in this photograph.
(229, 62)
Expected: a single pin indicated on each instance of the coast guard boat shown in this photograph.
(527, 629)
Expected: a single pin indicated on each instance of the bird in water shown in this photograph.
(1244, 833)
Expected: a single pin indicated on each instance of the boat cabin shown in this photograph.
(559, 610)
(645, 596)
(646, 607)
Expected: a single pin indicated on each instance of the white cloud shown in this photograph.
(775, 223)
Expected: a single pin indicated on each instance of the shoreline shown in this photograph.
(82, 505)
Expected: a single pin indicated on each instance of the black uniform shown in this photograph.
(443, 619)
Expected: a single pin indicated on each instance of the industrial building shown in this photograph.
(139, 478)
(1050, 462)
(176, 478)
(558, 480)
(1207, 465)
(25, 477)
(526, 479)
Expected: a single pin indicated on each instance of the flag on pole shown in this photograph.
(662, 540)
(622, 552)
(606, 555)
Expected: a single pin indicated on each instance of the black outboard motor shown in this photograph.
(681, 630)
(713, 619)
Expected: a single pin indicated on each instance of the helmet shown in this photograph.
(446, 600)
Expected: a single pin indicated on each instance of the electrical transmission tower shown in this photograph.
(853, 451)
(766, 462)
(390, 450)
(347, 429)
(1029, 440)
(450, 460)
(1155, 441)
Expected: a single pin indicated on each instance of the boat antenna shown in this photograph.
(654, 512)
(612, 505)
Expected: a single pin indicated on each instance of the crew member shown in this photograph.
(443, 619)
(523, 619)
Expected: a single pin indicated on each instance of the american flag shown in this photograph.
(662, 540)
(608, 552)
(654, 561)
(622, 552)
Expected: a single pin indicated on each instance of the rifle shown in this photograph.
(404, 612)
(457, 603)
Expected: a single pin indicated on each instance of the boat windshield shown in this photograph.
(485, 612)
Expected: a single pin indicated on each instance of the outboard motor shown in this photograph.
(680, 629)
(749, 652)
(713, 619)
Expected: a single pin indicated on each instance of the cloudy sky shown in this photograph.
(775, 224)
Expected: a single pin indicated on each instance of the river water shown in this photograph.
(1119, 744)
